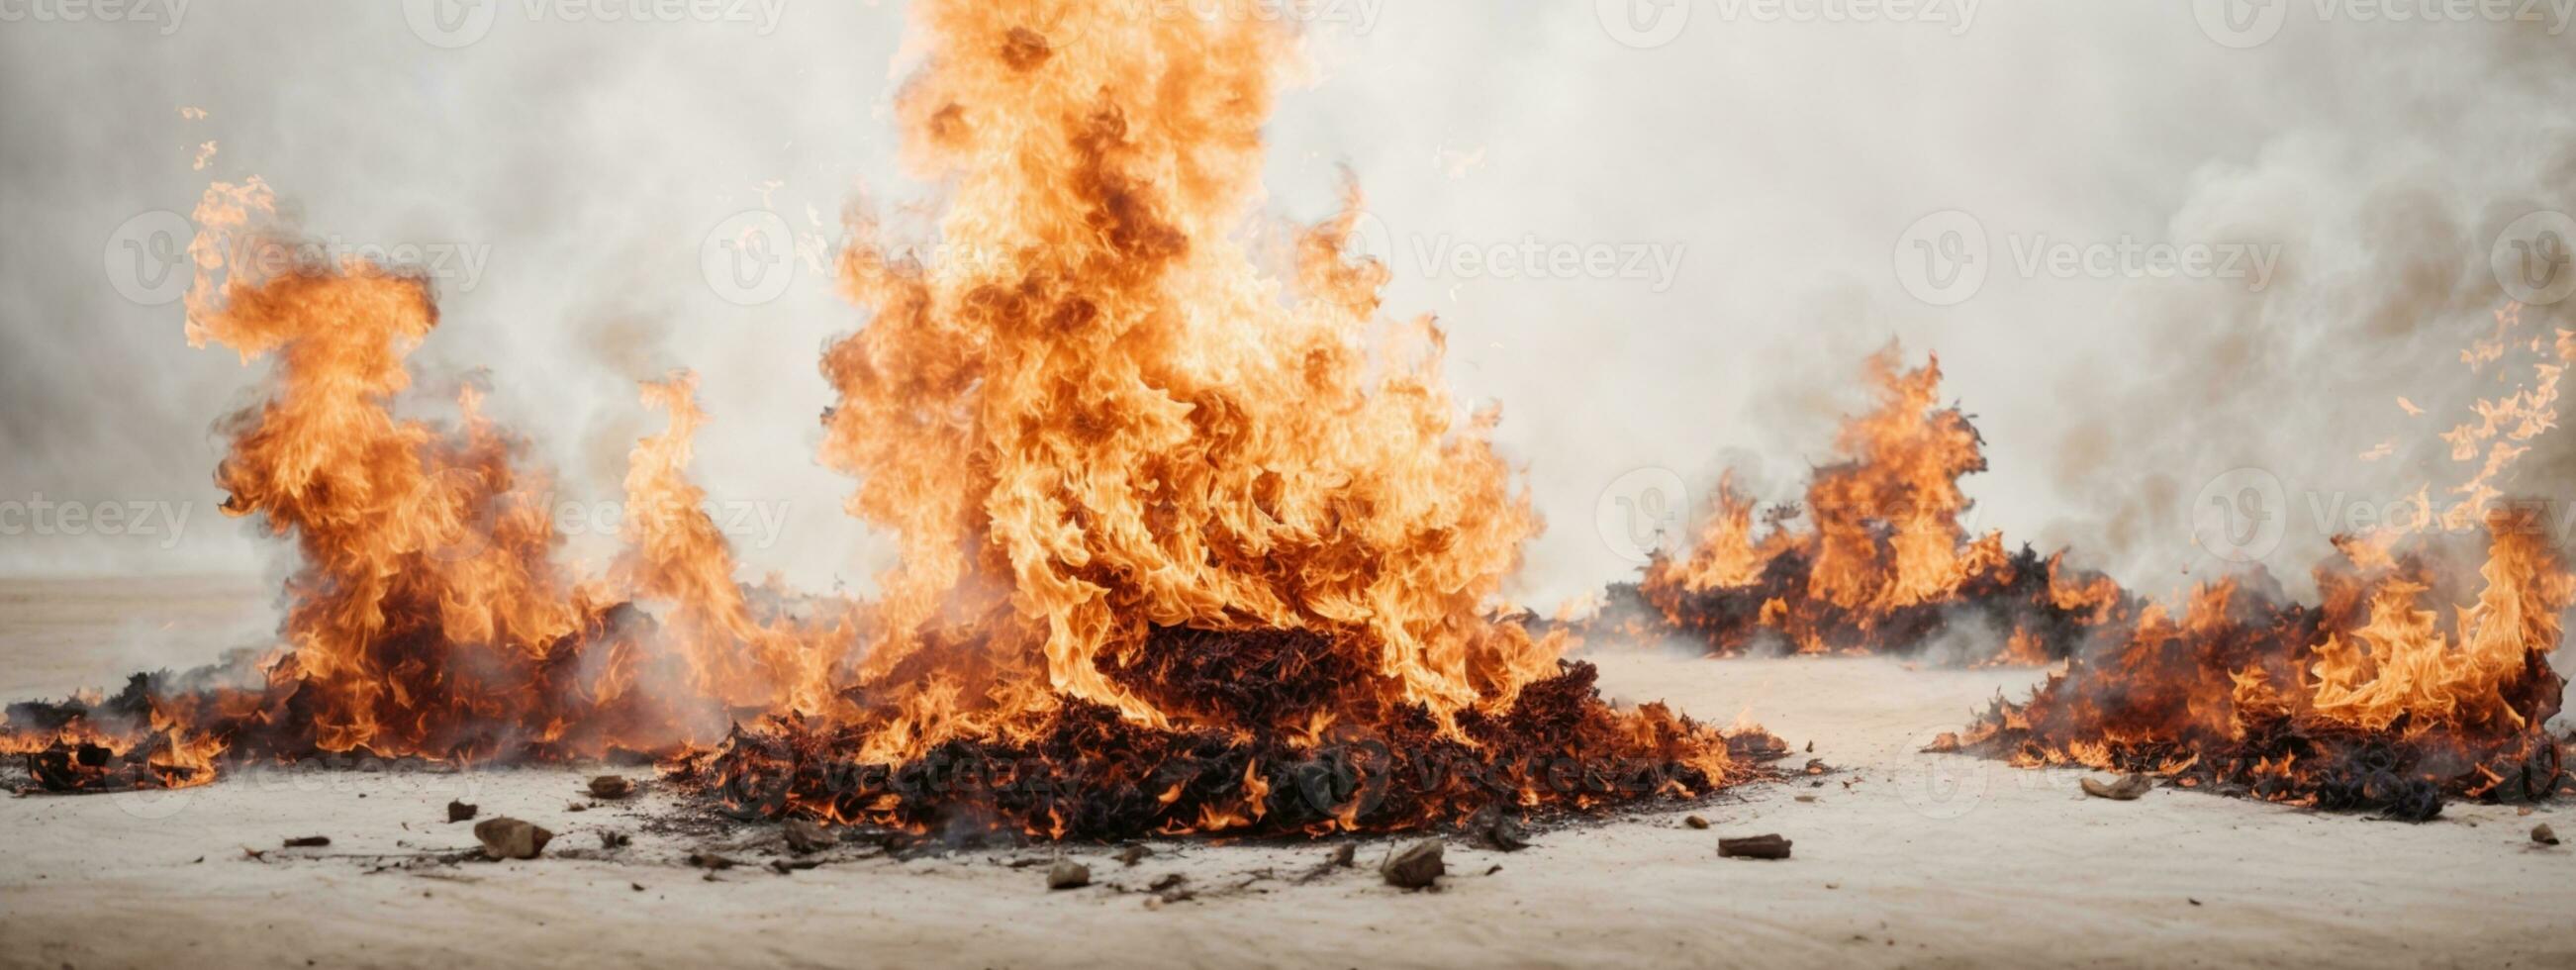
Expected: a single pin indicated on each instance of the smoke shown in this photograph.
(1665, 255)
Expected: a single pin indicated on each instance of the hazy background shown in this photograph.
(1776, 164)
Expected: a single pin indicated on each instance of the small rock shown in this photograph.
(576, 807)
(2128, 788)
(509, 838)
(308, 841)
(460, 812)
(1132, 854)
(2543, 834)
(1496, 829)
(804, 835)
(1695, 821)
(1345, 855)
(611, 787)
(711, 862)
(613, 839)
(1413, 865)
(1754, 847)
(1068, 874)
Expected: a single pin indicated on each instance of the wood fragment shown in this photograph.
(1753, 847)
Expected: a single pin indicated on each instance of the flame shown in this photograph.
(1185, 547)
(2400, 689)
(1884, 563)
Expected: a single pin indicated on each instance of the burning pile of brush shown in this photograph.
(1881, 563)
(1184, 548)
(2415, 679)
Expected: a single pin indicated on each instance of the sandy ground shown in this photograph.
(1902, 859)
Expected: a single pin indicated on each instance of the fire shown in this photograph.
(1883, 564)
(2409, 683)
(1185, 547)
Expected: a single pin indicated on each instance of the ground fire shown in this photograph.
(1881, 563)
(1185, 547)
(2377, 699)
(2421, 674)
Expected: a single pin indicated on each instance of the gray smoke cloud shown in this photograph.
(1663, 235)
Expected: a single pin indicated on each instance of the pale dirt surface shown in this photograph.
(1921, 860)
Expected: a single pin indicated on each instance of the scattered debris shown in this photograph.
(637, 886)
(1344, 855)
(785, 866)
(1694, 821)
(1494, 828)
(1068, 874)
(1414, 865)
(611, 787)
(806, 836)
(1807, 798)
(1166, 881)
(613, 839)
(711, 861)
(1132, 853)
(2128, 788)
(508, 838)
(2543, 834)
(460, 812)
(576, 807)
(308, 842)
(1753, 847)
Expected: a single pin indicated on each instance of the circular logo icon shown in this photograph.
(1370, 238)
(2240, 515)
(1941, 258)
(147, 258)
(749, 258)
(1643, 24)
(2535, 258)
(450, 24)
(477, 517)
(1642, 513)
(2240, 24)
(1942, 784)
